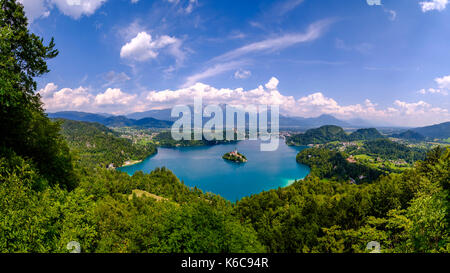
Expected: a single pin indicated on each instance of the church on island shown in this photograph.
(235, 156)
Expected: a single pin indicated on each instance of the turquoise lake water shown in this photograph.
(204, 167)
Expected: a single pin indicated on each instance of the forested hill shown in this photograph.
(323, 134)
(331, 164)
(441, 131)
(389, 150)
(96, 145)
(365, 134)
(409, 135)
(329, 133)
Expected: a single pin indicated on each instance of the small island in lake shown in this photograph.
(235, 156)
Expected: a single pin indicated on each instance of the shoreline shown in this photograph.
(130, 163)
(298, 173)
(289, 182)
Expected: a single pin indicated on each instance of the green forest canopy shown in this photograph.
(329, 133)
(97, 145)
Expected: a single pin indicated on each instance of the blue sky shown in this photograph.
(386, 63)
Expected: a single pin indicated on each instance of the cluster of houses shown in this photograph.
(351, 159)
(315, 145)
(346, 145)
(136, 136)
(398, 162)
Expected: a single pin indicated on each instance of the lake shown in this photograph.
(204, 168)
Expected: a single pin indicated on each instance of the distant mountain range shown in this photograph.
(112, 121)
(409, 135)
(312, 122)
(437, 131)
(162, 119)
(441, 130)
(165, 115)
(285, 121)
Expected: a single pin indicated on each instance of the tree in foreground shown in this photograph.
(26, 130)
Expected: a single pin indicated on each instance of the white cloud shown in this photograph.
(186, 6)
(126, 33)
(35, 9)
(80, 99)
(287, 6)
(362, 47)
(78, 8)
(400, 113)
(48, 90)
(218, 96)
(272, 84)
(74, 8)
(113, 97)
(433, 91)
(434, 5)
(191, 5)
(213, 71)
(410, 108)
(392, 14)
(269, 45)
(114, 78)
(175, 50)
(140, 48)
(443, 82)
(242, 74)
(143, 47)
(65, 98)
(226, 62)
(421, 113)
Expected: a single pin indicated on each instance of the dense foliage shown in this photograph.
(103, 216)
(388, 149)
(329, 133)
(25, 128)
(440, 131)
(331, 164)
(323, 134)
(405, 213)
(365, 134)
(409, 135)
(96, 145)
